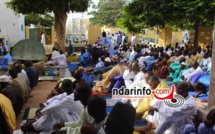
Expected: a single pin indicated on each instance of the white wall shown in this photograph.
(10, 24)
(185, 32)
(21, 26)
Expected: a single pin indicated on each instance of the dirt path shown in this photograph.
(39, 93)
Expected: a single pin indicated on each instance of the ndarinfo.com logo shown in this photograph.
(167, 95)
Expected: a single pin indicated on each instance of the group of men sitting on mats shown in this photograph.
(75, 108)
(15, 89)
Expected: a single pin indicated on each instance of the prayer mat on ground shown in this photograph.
(201, 96)
(28, 116)
(29, 113)
(74, 65)
(48, 78)
(110, 104)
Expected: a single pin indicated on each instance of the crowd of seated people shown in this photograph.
(179, 66)
(152, 67)
(75, 107)
(15, 89)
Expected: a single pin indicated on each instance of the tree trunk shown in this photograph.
(60, 29)
(211, 100)
(196, 37)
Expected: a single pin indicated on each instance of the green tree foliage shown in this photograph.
(39, 20)
(141, 14)
(184, 14)
(107, 12)
(60, 9)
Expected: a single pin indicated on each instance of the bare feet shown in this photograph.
(30, 96)
(27, 127)
(128, 101)
(138, 118)
(58, 126)
(195, 96)
(143, 129)
(204, 101)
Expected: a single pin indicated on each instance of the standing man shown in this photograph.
(43, 39)
(133, 39)
(120, 37)
(124, 39)
(186, 39)
(106, 41)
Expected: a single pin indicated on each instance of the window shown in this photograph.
(21, 27)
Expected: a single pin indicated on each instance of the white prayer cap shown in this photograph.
(107, 59)
(4, 78)
(184, 63)
(69, 78)
(148, 51)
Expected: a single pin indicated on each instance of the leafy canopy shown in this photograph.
(183, 14)
(107, 12)
(41, 20)
(44, 6)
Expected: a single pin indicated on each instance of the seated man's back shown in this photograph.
(20, 84)
(36, 71)
(32, 76)
(25, 78)
(8, 112)
(15, 97)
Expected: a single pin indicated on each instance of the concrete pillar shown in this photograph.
(204, 37)
(211, 100)
(94, 33)
(129, 35)
(52, 35)
(27, 35)
(137, 38)
(165, 36)
(176, 37)
(169, 36)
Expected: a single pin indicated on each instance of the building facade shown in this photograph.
(77, 27)
(12, 27)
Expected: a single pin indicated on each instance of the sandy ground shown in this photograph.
(39, 93)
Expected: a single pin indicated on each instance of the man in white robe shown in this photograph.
(132, 74)
(132, 55)
(141, 61)
(187, 74)
(140, 85)
(204, 62)
(62, 108)
(186, 39)
(82, 93)
(133, 39)
(53, 61)
(97, 109)
(128, 75)
(170, 120)
(59, 111)
(106, 41)
(61, 59)
(43, 39)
